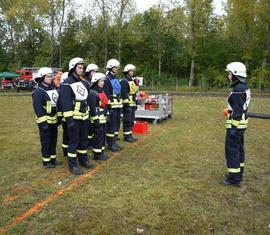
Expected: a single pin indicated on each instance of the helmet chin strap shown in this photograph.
(45, 83)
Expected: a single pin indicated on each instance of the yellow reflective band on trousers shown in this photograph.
(110, 135)
(53, 156)
(64, 146)
(90, 137)
(234, 170)
(46, 159)
(97, 150)
(72, 155)
(242, 164)
(128, 133)
(47, 118)
(242, 124)
(81, 151)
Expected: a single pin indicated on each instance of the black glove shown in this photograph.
(232, 131)
(70, 123)
(44, 126)
(59, 121)
(97, 123)
(126, 106)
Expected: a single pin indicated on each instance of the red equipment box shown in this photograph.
(140, 127)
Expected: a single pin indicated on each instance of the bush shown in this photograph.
(260, 78)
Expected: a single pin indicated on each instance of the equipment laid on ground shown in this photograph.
(140, 127)
(154, 107)
(259, 115)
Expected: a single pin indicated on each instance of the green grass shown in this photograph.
(168, 184)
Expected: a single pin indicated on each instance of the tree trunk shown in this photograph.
(60, 32)
(120, 37)
(52, 30)
(267, 45)
(193, 52)
(105, 30)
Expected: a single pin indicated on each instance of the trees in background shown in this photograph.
(172, 45)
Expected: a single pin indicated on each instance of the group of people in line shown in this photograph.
(89, 105)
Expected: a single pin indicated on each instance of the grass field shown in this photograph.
(169, 183)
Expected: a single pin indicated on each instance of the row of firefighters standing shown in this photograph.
(89, 110)
(92, 107)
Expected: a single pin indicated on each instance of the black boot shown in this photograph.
(65, 153)
(87, 165)
(56, 162)
(76, 170)
(48, 165)
(227, 176)
(119, 146)
(90, 147)
(226, 182)
(100, 157)
(104, 157)
(114, 148)
(130, 139)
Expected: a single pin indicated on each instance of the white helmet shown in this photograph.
(43, 71)
(237, 69)
(96, 77)
(112, 63)
(129, 67)
(91, 67)
(64, 76)
(73, 62)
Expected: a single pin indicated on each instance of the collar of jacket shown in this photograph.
(46, 88)
(111, 76)
(96, 88)
(128, 78)
(77, 78)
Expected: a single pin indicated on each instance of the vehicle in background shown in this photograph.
(27, 76)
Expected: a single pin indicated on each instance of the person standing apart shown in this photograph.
(236, 123)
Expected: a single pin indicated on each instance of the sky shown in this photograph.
(143, 5)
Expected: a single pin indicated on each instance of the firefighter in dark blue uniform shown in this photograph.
(45, 99)
(98, 102)
(91, 69)
(236, 123)
(112, 89)
(128, 95)
(73, 97)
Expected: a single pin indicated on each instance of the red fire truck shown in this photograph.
(27, 76)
